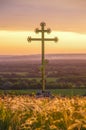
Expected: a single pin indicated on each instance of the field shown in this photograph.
(20, 79)
(29, 113)
(63, 71)
(24, 72)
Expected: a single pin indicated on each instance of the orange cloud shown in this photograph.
(63, 15)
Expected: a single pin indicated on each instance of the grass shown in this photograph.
(29, 113)
(60, 92)
(69, 92)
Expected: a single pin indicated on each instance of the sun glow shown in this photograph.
(15, 42)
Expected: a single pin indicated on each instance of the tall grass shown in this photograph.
(30, 113)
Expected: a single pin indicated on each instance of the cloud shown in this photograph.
(23, 13)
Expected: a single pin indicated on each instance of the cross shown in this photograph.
(43, 39)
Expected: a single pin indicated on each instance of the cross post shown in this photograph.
(43, 39)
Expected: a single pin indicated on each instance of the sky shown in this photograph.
(19, 18)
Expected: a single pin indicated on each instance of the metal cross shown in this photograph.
(43, 39)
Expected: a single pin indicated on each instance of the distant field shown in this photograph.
(57, 92)
(62, 71)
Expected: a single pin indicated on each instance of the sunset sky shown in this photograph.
(19, 18)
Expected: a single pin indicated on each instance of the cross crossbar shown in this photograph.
(43, 39)
(38, 30)
(40, 39)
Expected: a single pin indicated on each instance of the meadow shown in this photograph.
(31, 113)
(21, 109)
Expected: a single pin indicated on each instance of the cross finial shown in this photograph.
(42, 24)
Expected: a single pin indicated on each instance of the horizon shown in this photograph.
(45, 54)
(37, 57)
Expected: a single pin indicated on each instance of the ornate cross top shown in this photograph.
(42, 31)
(43, 39)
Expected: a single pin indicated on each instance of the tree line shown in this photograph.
(33, 83)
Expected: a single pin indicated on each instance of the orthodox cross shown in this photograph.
(43, 39)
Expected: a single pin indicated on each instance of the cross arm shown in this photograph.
(47, 30)
(37, 30)
(51, 39)
(29, 39)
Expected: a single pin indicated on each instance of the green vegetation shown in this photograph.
(59, 92)
(69, 92)
(35, 83)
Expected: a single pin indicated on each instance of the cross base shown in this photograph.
(44, 94)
